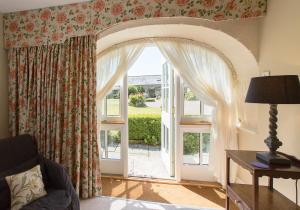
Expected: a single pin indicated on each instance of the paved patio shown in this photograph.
(145, 161)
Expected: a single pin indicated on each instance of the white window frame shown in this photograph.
(107, 128)
(116, 166)
(121, 118)
(195, 129)
(190, 119)
(193, 171)
(186, 171)
(109, 165)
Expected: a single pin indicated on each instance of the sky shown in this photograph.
(149, 63)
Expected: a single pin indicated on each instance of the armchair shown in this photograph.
(19, 154)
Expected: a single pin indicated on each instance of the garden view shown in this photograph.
(144, 124)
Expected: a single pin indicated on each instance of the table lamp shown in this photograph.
(273, 90)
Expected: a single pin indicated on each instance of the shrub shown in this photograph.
(137, 100)
(191, 143)
(206, 142)
(114, 136)
(145, 127)
(132, 90)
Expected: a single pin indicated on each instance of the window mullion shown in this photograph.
(106, 144)
(105, 108)
(201, 108)
(201, 144)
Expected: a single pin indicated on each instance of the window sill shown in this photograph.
(107, 122)
(183, 123)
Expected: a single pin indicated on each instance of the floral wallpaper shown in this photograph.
(55, 24)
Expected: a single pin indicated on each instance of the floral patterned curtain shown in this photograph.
(56, 24)
(52, 96)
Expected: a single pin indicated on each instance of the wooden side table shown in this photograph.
(255, 197)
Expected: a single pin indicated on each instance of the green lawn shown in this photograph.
(143, 110)
(113, 109)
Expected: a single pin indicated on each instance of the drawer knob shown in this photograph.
(237, 201)
(239, 204)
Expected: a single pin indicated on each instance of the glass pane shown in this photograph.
(165, 89)
(102, 140)
(167, 139)
(192, 104)
(205, 148)
(191, 148)
(114, 144)
(163, 137)
(113, 103)
(207, 110)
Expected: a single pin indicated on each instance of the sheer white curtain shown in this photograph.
(113, 64)
(210, 77)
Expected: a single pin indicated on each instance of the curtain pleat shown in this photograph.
(52, 96)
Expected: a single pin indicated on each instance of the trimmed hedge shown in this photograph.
(150, 99)
(145, 127)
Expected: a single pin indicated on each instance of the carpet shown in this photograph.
(110, 203)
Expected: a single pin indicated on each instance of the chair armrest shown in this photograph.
(57, 178)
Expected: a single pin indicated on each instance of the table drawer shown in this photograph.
(235, 198)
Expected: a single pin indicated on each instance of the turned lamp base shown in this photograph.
(273, 159)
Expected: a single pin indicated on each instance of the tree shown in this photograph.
(132, 90)
(140, 89)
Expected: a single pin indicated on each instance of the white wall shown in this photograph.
(3, 86)
(279, 53)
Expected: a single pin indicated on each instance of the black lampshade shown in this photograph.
(283, 89)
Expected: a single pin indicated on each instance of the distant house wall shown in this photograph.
(152, 91)
(151, 84)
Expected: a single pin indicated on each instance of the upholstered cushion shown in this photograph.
(4, 188)
(26, 165)
(4, 195)
(55, 200)
(25, 187)
(15, 151)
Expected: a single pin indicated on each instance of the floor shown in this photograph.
(111, 203)
(204, 196)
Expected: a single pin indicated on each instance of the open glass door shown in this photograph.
(167, 119)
